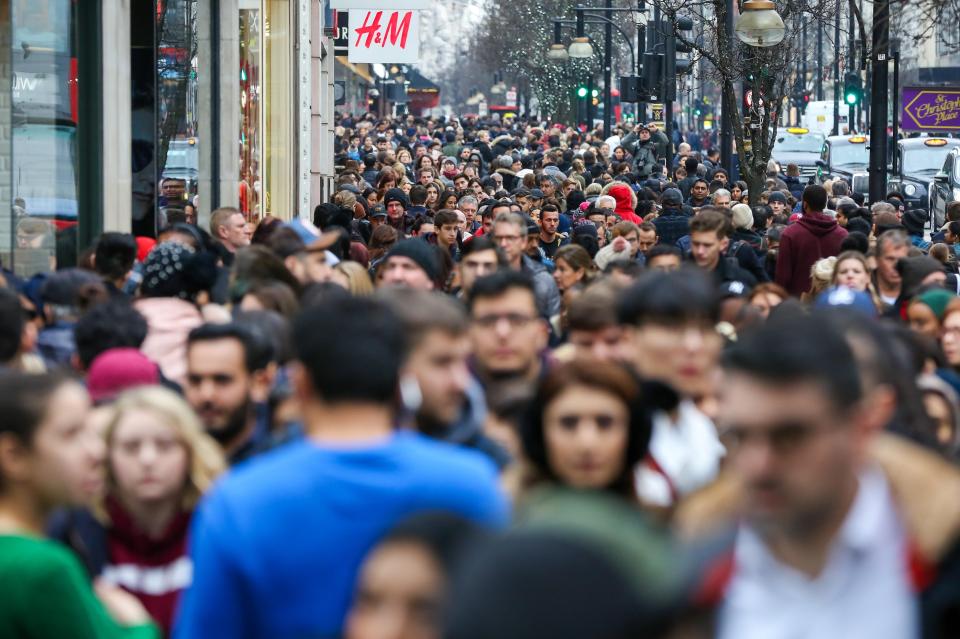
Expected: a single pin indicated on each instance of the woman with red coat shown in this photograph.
(626, 202)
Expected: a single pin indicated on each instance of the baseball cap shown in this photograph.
(840, 296)
(63, 287)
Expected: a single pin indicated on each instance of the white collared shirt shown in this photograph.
(863, 592)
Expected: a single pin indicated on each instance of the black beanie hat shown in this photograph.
(575, 199)
(914, 220)
(425, 255)
(671, 197)
(396, 195)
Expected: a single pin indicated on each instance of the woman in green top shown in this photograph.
(50, 457)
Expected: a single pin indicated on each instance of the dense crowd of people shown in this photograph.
(512, 381)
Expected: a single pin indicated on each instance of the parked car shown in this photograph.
(944, 188)
(918, 161)
(847, 157)
(800, 146)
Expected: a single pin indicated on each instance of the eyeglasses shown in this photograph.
(514, 320)
(953, 331)
(784, 439)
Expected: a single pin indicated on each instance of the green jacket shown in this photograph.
(46, 594)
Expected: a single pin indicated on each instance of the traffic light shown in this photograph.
(672, 65)
(582, 91)
(682, 65)
(852, 89)
(653, 76)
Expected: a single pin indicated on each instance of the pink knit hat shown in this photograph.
(119, 369)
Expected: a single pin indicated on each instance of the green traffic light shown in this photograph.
(582, 92)
(851, 98)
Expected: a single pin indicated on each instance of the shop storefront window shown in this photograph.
(166, 158)
(250, 124)
(38, 136)
(267, 103)
(280, 153)
(178, 155)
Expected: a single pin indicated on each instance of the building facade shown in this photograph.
(125, 114)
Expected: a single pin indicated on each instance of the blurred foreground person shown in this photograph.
(446, 400)
(592, 326)
(672, 317)
(159, 464)
(579, 565)
(50, 457)
(277, 545)
(403, 585)
(587, 428)
(839, 531)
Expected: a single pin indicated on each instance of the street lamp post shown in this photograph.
(836, 75)
(580, 48)
(759, 25)
(608, 74)
(878, 99)
(726, 123)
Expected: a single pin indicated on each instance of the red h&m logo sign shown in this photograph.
(384, 36)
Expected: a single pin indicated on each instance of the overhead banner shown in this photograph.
(387, 37)
(930, 109)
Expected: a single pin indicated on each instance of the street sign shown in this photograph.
(387, 37)
(341, 33)
(930, 109)
(482, 110)
(656, 112)
(511, 98)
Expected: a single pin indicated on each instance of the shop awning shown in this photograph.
(420, 84)
(361, 70)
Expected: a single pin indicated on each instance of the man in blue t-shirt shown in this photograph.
(277, 544)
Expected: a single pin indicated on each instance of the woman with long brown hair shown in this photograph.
(588, 426)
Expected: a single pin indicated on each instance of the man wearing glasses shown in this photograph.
(507, 332)
(510, 234)
(840, 530)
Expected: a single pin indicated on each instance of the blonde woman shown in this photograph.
(852, 270)
(821, 276)
(353, 277)
(159, 463)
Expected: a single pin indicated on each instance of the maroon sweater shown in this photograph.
(155, 571)
(814, 237)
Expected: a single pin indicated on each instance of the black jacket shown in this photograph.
(672, 225)
(748, 258)
(728, 270)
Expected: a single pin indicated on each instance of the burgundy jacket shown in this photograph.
(814, 237)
